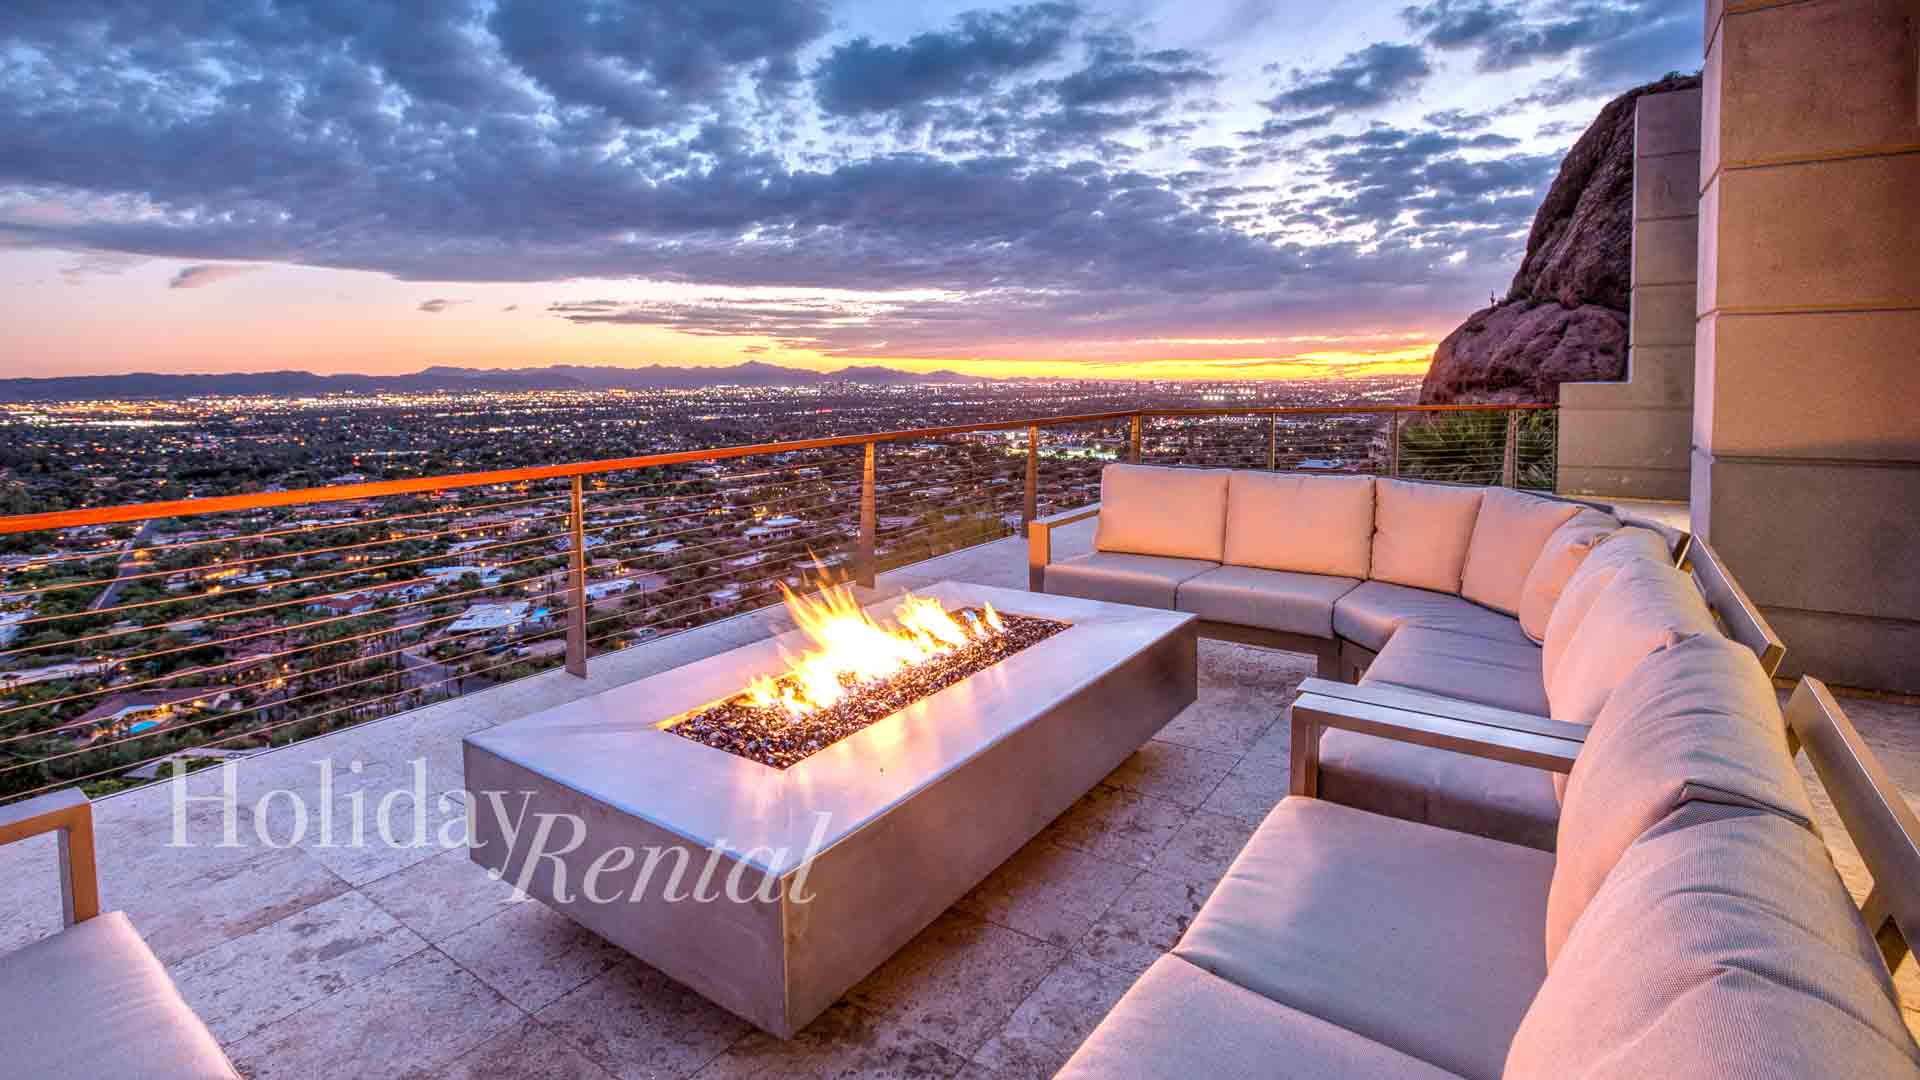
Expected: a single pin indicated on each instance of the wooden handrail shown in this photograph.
(222, 504)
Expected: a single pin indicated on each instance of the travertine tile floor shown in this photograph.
(317, 960)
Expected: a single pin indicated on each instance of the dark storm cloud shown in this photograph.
(1376, 75)
(982, 46)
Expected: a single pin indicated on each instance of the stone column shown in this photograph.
(1806, 459)
(1631, 439)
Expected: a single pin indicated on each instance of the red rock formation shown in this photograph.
(1565, 318)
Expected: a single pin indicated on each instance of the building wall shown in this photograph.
(1806, 424)
(1632, 439)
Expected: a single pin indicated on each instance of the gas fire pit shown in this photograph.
(829, 840)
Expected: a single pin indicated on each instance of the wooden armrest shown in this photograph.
(69, 814)
(1514, 742)
(1040, 541)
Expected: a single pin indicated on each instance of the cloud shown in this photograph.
(981, 47)
(1377, 75)
(204, 274)
(1611, 44)
(438, 305)
(1118, 72)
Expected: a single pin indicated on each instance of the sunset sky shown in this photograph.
(1201, 188)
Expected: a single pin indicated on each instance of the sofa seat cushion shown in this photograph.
(1421, 532)
(1153, 510)
(1508, 536)
(1272, 599)
(1511, 803)
(1503, 674)
(1370, 614)
(1306, 524)
(1422, 939)
(1646, 606)
(1179, 1021)
(1698, 721)
(1119, 578)
(93, 1001)
(1722, 944)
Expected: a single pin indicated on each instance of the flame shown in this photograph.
(851, 649)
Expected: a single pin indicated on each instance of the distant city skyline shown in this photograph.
(1208, 189)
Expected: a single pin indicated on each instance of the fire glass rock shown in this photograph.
(773, 738)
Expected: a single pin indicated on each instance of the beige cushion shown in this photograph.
(1420, 938)
(1562, 554)
(1270, 599)
(1179, 1021)
(1511, 803)
(1696, 721)
(1421, 532)
(1176, 513)
(1369, 615)
(1503, 674)
(1508, 536)
(93, 1001)
(1722, 945)
(1306, 524)
(1647, 605)
(1119, 578)
(1592, 576)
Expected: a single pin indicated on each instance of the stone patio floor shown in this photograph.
(320, 959)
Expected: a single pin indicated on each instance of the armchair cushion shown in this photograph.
(1369, 615)
(1304, 524)
(1318, 914)
(1722, 944)
(93, 1001)
(1697, 720)
(1421, 532)
(1562, 554)
(1508, 536)
(1173, 513)
(1120, 578)
(1273, 599)
(1645, 606)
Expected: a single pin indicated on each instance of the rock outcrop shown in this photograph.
(1565, 317)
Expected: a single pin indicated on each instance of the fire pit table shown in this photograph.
(841, 857)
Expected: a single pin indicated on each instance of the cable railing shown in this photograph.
(138, 635)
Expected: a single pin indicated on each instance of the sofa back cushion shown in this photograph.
(1592, 577)
(1304, 524)
(1176, 513)
(1560, 556)
(1723, 944)
(1508, 535)
(1695, 721)
(1421, 533)
(1647, 605)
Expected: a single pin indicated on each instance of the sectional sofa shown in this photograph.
(1690, 924)
(1409, 588)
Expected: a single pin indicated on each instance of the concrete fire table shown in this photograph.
(842, 858)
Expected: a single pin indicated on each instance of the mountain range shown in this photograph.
(554, 377)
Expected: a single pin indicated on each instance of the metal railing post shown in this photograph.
(1031, 508)
(577, 582)
(1133, 439)
(1393, 444)
(869, 521)
(1273, 442)
(1510, 457)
